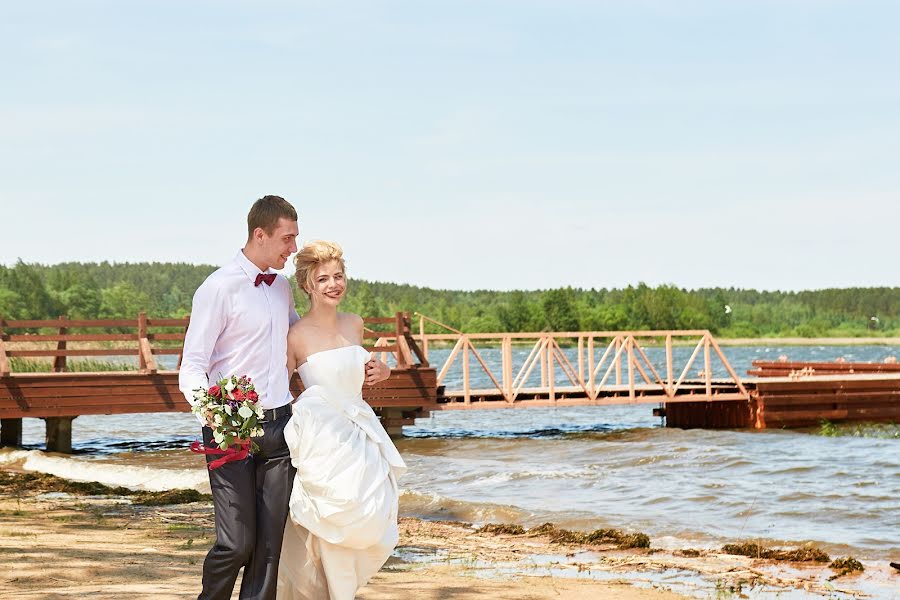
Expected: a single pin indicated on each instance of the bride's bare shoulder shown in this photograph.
(350, 319)
(300, 331)
(298, 326)
(351, 326)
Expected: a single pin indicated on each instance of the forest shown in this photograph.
(122, 290)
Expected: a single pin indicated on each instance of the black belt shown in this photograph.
(273, 414)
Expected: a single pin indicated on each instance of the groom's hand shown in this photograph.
(376, 371)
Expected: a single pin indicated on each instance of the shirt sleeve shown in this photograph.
(293, 317)
(207, 323)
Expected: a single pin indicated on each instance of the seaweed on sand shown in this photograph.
(564, 536)
(845, 566)
(501, 529)
(755, 550)
(18, 483)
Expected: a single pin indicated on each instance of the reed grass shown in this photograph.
(30, 365)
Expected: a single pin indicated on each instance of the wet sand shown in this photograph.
(58, 545)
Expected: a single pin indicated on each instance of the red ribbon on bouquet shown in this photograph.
(230, 454)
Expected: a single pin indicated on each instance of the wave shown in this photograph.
(573, 432)
(151, 479)
(434, 506)
(538, 432)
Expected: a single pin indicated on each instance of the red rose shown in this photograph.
(214, 391)
(238, 395)
(251, 395)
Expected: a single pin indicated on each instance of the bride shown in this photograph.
(342, 524)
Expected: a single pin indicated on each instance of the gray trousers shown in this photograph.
(251, 498)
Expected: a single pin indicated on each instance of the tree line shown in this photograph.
(114, 291)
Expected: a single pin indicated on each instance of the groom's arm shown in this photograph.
(207, 323)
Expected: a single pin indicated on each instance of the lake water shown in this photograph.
(582, 468)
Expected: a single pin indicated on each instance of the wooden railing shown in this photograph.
(52, 339)
(399, 342)
(622, 366)
(140, 341)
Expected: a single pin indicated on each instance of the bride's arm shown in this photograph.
(294, 349)
(359, 328)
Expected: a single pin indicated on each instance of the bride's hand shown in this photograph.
(376, 371)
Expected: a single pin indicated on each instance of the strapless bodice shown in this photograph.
(340, 370)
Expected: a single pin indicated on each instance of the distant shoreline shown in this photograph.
(722, 341)
(818, 341)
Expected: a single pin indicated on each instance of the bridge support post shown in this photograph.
(11, 432)
(393, 421)
(59, 434)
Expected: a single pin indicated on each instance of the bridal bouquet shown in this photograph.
(231, 409)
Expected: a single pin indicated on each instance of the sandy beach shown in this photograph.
(57, 544)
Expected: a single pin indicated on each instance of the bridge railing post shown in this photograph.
(4, 360)
(707, 367)
(544, 362)
(506, 365)
(590, 366)
(618, 360)
(551, 372)
(422, 336)
(410, 345)
(669, 363)
(581, 358)
(402, 354)
(59, 361)
(145, 350)
(465, 367)
(629, 347)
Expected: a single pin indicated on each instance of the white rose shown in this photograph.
(229, 385)
(245, 411)
(259, 412)
(228, 409)
(218, 419)
(199, 394)
(257, 432)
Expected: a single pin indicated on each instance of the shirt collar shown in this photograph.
(246, 265)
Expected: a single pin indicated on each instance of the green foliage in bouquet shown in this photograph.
(232, 411)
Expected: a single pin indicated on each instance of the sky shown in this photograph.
(483, 144)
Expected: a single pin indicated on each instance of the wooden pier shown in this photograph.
(543, 369)
(59, 396)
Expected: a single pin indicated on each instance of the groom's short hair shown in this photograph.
(265, 213)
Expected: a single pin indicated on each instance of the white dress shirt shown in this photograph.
(238, 328)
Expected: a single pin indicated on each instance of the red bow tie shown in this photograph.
(266, 278)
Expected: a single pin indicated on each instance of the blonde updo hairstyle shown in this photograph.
(311, 256)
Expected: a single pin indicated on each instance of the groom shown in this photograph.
(239, 324)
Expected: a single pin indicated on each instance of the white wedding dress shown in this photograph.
(342, 524)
